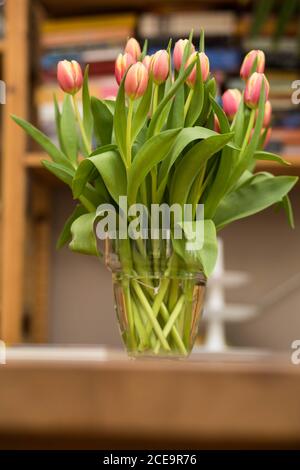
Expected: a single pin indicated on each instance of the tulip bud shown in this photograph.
(268, 114)
(122, 64)
(268, 136)
(249, 61)
(253, 89)
(159, 66)
(133, 48)
(136, 81)
(179, 51)
(147, 61)
(266, 133)
(217, 127)
(231, 101)
(204, 64)
(69, 76)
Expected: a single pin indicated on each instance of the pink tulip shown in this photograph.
(159, 66)
(136, 81)
(133, 48)
(253, 89)
(179, 51)
(231, 100)
(204, 64)
(69, 76)
(268, 114)
(217, 127)
(122, 64)
(249, 61)
(147, 61)
(268, 136)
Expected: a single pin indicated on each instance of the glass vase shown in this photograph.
(158, 296)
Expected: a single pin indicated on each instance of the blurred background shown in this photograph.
(50, 296)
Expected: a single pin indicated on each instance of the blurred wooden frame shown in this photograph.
(15, 305)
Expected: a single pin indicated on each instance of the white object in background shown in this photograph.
(217, 312)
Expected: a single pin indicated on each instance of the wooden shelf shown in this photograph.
(57, 7)
(34, 159)
(67, 402)
(276, 168)
(2, 46)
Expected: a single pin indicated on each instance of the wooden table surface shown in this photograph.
(97, 399)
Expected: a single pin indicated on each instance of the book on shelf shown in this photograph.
(244, 26)
(92, 30)
(2, 22)
(179, 24)
(98, 40)
(89, 22)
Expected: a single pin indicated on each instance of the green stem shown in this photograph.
(176, 336)
(188, 293)
(128, 132)
(172, 319)
(188, 102)
(130, 315)
(141, 331)
(152, 318)
(87, 204)
(249, 129)
(86, 143)
(157, 302)
(144, 193)
(199, 189)
(155, 98)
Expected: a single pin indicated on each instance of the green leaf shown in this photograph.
(224, 123)
(191, 164)
(239, 123)
(153, 127)
(255, 195)
(149, 155)
(287, 206)
(58, 122)
(66, 236)
(261, 13)
(103, 149)
(261, 155)
(86, 104)
(197, 99)
(209, 89)
(120, 120)
(83, 237)
(69, 129)
(56, 154)
(246, 155)
(103, 121)
(186, 136)
(199, 260)
(111, 168)
(202, 41)
(164, 116)
(219, 184)
(141, 114)
(60, 171)
(144, 51)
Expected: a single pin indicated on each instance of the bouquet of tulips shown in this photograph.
(165, 139)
